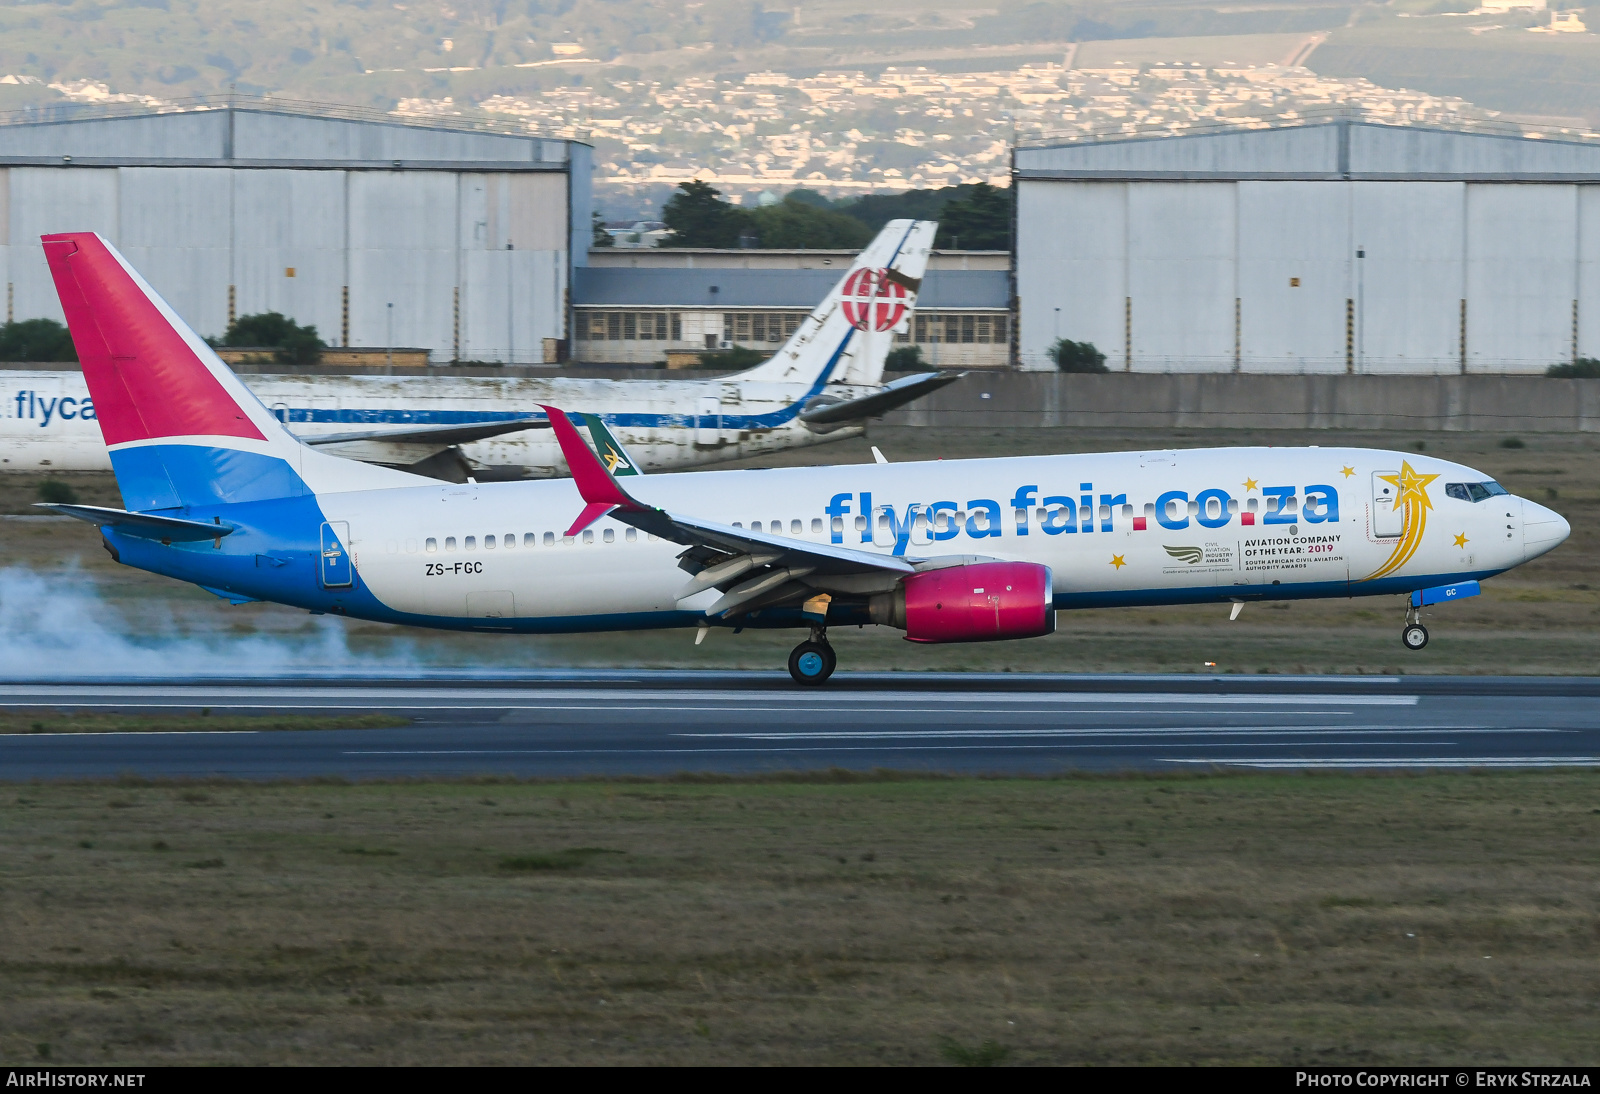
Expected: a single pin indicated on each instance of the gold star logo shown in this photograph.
(1461, 540)
(1413, 487)
(1347, 471)
(1250, 484)
(1118, 561)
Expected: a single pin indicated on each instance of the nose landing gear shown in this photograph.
(813, 661)
(1414, 635)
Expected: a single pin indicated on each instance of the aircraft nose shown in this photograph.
(1542, 529)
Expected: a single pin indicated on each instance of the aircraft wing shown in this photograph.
(431, 434)
(143, 525)
(719, 556)
(899, 393)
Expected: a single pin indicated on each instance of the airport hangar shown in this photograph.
(456, 238)
(470, 243)
(1333, 246)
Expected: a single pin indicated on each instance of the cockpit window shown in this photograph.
(1473, 491)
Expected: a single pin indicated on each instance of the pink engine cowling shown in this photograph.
(979, 602)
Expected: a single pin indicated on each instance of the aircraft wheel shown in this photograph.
(1414, 636)
(812, 662)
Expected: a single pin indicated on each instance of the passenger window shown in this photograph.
(488, 543)
(510, 541)
(449, 543)
(588, 537)
(431, 546)
(631, 534)
(411, 546)
(755, 526)
(816, 526)
(737, 524)
(795, 528)
(528, 540)
(566, 541)
(470, 543)
(609, 535)
(838, 524)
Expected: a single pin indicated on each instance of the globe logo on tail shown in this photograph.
(1414, 504)
(873, 300)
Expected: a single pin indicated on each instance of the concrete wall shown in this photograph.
(1176, 401)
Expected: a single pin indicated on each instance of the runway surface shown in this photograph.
(646, 723)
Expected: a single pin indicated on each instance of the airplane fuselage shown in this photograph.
(48, 421)
(1116, 529)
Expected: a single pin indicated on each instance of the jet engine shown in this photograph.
(978, 602)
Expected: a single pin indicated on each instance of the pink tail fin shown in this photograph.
(149, 375)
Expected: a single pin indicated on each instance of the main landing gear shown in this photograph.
(813, 661)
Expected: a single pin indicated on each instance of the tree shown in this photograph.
(601, 237)
(981, 221)
(36, 340)
(295, 345)
(699, 217)
(1072, 356)
(733, 359)
(904, 359)
(797, 222)
(1584, 368)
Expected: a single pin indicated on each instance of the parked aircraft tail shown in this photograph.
(182, 429)
(846, 339)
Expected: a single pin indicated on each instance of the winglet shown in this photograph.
(599, 490)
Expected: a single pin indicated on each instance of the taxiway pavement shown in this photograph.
(648, 723)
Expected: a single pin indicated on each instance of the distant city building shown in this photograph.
(637, 306)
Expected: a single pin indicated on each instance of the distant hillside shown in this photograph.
(374, 52)
(1509, 69)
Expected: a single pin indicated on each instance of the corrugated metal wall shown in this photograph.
(406, 238)
(1284, 275)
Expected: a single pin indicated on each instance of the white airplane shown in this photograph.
(823, 384)
(220, 493)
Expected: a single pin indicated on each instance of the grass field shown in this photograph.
(1222, 919)
(64, 603)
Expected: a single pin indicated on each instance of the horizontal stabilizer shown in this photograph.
(143, 525)
(899, 393)
(432, 434)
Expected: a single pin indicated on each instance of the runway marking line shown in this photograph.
(785, 748)
(1108, 731)
(1433, 761)
(174, 696)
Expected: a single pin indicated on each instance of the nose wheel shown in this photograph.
(1415, 636)
(812, 662)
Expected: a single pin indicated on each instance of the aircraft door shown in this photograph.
(883, 530)
(336, 570)
(1388, 519)
(708, 423)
